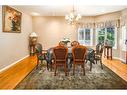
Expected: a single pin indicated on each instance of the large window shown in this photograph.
(107, 35)
(85, 36)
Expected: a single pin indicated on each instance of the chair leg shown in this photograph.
(51, 66)
(47, 66)
(86, 61)
(41, 61)
(96, 61)
(37, 63)
(55, 70)
(101, 64)
(90, 66)
(83, 69)
(93, 62)
(74, 68)
(65, 69)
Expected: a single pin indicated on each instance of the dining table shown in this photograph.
(89, 57)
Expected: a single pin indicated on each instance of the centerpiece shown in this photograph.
(65, 40)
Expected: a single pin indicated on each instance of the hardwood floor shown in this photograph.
(12, 76)
(117, 66)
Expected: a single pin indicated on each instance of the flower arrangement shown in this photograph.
(66, 40)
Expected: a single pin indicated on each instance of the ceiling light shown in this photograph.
(72, 18)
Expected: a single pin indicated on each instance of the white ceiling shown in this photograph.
(56, 10)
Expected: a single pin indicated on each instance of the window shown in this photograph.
(107, 35)
(100, 34)
(124, 37)
(85, 36)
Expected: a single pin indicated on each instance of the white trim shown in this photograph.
(120, 59)
(116, 31)
(123, 38)
(13, 63)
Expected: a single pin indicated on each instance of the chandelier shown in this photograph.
(72, 18)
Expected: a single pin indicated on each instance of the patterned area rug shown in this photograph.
(41, 78)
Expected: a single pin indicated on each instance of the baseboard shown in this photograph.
(124, 61)
(5, 68)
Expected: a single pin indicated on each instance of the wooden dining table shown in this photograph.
(89, 56)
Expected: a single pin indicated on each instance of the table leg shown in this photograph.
(104, 51)
(111, 53)
(107, 53)
(126, 57)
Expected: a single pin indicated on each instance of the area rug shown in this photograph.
(98, 78)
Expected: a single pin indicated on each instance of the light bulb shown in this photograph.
(66, 17)
(77, 19)
(71, 15)
(79, 16)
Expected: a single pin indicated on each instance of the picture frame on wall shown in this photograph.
(11, 19)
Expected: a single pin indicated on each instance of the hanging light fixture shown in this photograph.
(72, 18)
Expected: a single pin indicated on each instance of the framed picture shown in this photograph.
(11, 19)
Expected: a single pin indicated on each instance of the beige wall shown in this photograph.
(14, 46)
(51, 30)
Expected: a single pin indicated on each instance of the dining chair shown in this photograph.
(90, 56)
(49, 58)
(75, 43)
(99, 52)
(79, 53)
(40, 53)
(60, 58)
